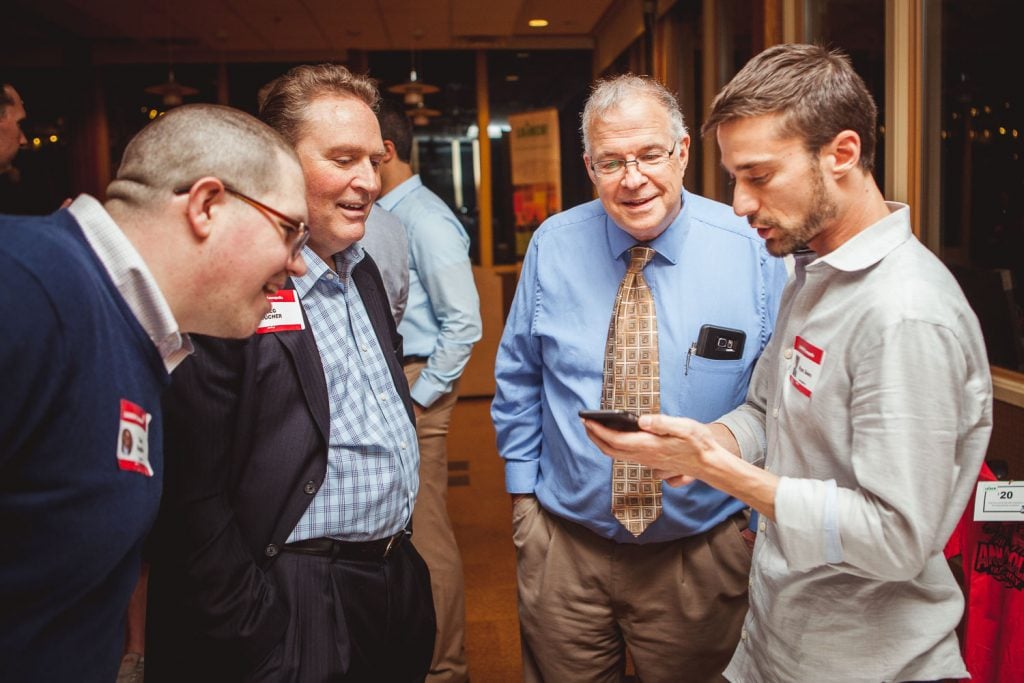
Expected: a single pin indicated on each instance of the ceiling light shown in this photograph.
(171, 93)
(413, 90)
(537, 23)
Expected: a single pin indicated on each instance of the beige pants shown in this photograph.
(678, 606)
(434, 539)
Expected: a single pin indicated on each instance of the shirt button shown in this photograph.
(382, 396)
(762, 525)
(329, 276)
(310, 487)
(788, 354)
(743, 634)
(775, 412)
(270, 550)
(402, 445)
(364, 348)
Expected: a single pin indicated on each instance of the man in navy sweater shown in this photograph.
(204, 219)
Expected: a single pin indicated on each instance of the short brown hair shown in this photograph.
(815, 89)
(283, 101)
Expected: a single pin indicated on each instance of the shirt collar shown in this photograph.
(400, 192)
(669, 244)
(132, 279)
(316, 268)
(872, 244)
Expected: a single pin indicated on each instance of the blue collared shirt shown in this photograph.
(710, 268)
(373, 456)
(442, 318)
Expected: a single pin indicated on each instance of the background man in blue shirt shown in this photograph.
(441, 324)
(674, 595)
(283, 551)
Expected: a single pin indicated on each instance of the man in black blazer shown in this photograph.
(282, 550)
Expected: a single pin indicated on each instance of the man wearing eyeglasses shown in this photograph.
(668, 581)
(99, 300)
(282, 553)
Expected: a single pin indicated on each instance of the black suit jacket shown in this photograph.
(247, 427)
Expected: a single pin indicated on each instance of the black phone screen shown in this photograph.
(621, 420)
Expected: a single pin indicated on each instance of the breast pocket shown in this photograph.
(714, 387)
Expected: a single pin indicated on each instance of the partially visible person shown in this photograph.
(283, 551)
(441, 325)
(868, 414)
(609, 313)
(12, 137)
(386, 242)
(103, 295)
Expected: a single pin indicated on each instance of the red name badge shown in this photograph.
(133, 439)
(285, 313)
(806, 366)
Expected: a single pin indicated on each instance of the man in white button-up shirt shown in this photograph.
(869, 412)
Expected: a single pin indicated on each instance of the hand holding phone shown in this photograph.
(619, 420)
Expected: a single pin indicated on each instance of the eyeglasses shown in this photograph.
(296, 231)
(645, 162)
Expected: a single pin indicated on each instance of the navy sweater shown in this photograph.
(72, 521)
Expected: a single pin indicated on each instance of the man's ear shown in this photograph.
(684, 152)
(590, 171)
(389, 151)
(204, 198)
(844, 151)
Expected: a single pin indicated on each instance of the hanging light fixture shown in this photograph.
(171, 93)
(413, 90)
(421, 115)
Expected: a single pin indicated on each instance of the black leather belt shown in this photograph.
(348, 550)
(407, 360)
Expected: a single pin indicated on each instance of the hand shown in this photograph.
(674, 448)
(516, 497)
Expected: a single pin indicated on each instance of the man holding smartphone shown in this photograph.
(868, 414)
(595, 577)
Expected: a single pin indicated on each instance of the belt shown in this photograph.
(348, 550)
(409, 360)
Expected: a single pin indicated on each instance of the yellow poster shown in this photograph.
(536, 171)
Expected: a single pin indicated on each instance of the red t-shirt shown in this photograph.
(993, 561)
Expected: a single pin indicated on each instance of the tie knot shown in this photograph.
(639, 256)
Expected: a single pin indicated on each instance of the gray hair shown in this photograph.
(609, 93)
(197, 140)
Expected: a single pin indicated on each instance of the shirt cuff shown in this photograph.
(749, 434)
(425, 392)
(521, 475)
(807, 522)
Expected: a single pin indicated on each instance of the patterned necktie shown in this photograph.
(631, 383)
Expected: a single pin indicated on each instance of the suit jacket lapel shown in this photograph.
(310, 370)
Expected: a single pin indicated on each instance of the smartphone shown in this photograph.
(621, 420)
(720, 343)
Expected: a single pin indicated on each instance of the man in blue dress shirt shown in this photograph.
(441, 324)
(675, 594)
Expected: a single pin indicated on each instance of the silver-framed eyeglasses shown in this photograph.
(648, 161)
(296, 232)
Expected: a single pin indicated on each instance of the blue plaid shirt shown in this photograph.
(373, 456)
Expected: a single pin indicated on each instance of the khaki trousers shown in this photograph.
(434, 539)
(678, 606)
